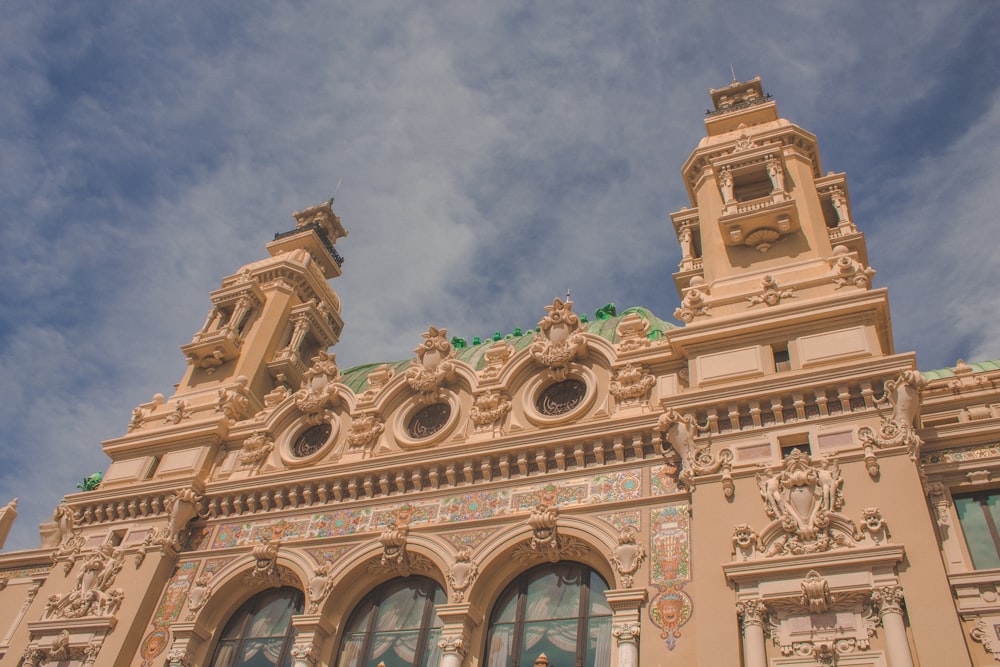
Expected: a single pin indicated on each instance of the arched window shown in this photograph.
(395, 624)
(260, 633)
(559, 610)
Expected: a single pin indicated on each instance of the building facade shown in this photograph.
(767, 483)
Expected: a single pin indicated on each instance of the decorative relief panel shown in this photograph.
(669, 570)
(959, 454)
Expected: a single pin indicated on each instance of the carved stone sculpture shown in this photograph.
(199, 595)
(183, 506)
(632, 331)
(849, 271)
(873, 526)
(903, 394)
(320, 585)
(726, 185)
(433, 366)
(776, 174)
(234, 401)
(771, 294)
(92, 594)
(745, 541)
(694, 303)
(462, 573)
(496, 356)
(317, 393)
(365, 430)
(680, 430)
(545, 531)
(631, 384)
(816, 593)
(179, 413)
(59, 528)
(489, 408)
(394, 555)
(559, 341)
(255, 451)
(628, 555)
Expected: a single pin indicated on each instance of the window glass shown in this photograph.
(978, 514)
(396, 624)
(259, 634)
(559, 610)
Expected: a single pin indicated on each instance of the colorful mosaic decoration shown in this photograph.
(213, 565)
(169, 611)
(472, 506)
(962, 454)
(670, 569)
(468, 538)
(621, 519)
(22, 572)
(324, 554)
(663, 480)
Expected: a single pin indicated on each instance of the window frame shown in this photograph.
(248, 609)
(981, 498)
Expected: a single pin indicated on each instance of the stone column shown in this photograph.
(753, 616)
(626, 604)
(888, 602)
(460, 619)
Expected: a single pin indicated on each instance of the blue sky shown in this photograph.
(491, 156)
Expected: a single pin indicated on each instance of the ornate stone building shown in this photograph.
(766, 483)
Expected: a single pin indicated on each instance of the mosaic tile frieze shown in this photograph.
(324, 554)
(663, 480)
(471, 506)
(468, 538)
(619, 520)
(169, 610)
(670, 569)
(23, 572)
(973, 453)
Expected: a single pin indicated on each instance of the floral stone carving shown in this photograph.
(255, 451)
(559, 341)
(631, 384)
(628, 555)
(696, 459)
(317, 393)
(489, 408)
(365, 430)
(234, 401)
(93, 594)
(896, 430)
(433, 366)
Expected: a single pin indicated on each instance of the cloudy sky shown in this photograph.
(491, 155)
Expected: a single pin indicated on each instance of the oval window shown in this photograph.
(561, 397)
(429, 420)
(311, 440)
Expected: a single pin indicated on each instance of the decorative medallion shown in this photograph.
(311, 440)
(561, 397)
(428, 420)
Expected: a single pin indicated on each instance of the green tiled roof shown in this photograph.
(602, 325)
(977, 367)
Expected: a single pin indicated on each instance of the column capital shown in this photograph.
(623, 599)
(888, 600)
(752, 612)
(453, 643)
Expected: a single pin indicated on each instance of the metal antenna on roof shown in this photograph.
(733, 70)
(567, 295)
(339, 181)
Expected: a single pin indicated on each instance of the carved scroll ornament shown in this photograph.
(696, 459)
(898, 429)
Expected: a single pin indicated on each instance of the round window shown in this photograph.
(561, 397)
(311, 440)
(429, 420)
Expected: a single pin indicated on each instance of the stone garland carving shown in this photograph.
(92, 594)
(234, 401)
(318, 393)
(631, 384)
(804, 500)
(489, 408)
(199, 595)
(545, 541)
(694, 303)
(632, 333)
(364, 431)
(320, 585)
(849, 271)
(771, 294)
(462, 573)
(628, 555)
(559, 341)
(898, 429)
(434, 365)
(255, 451)
(679, 430)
